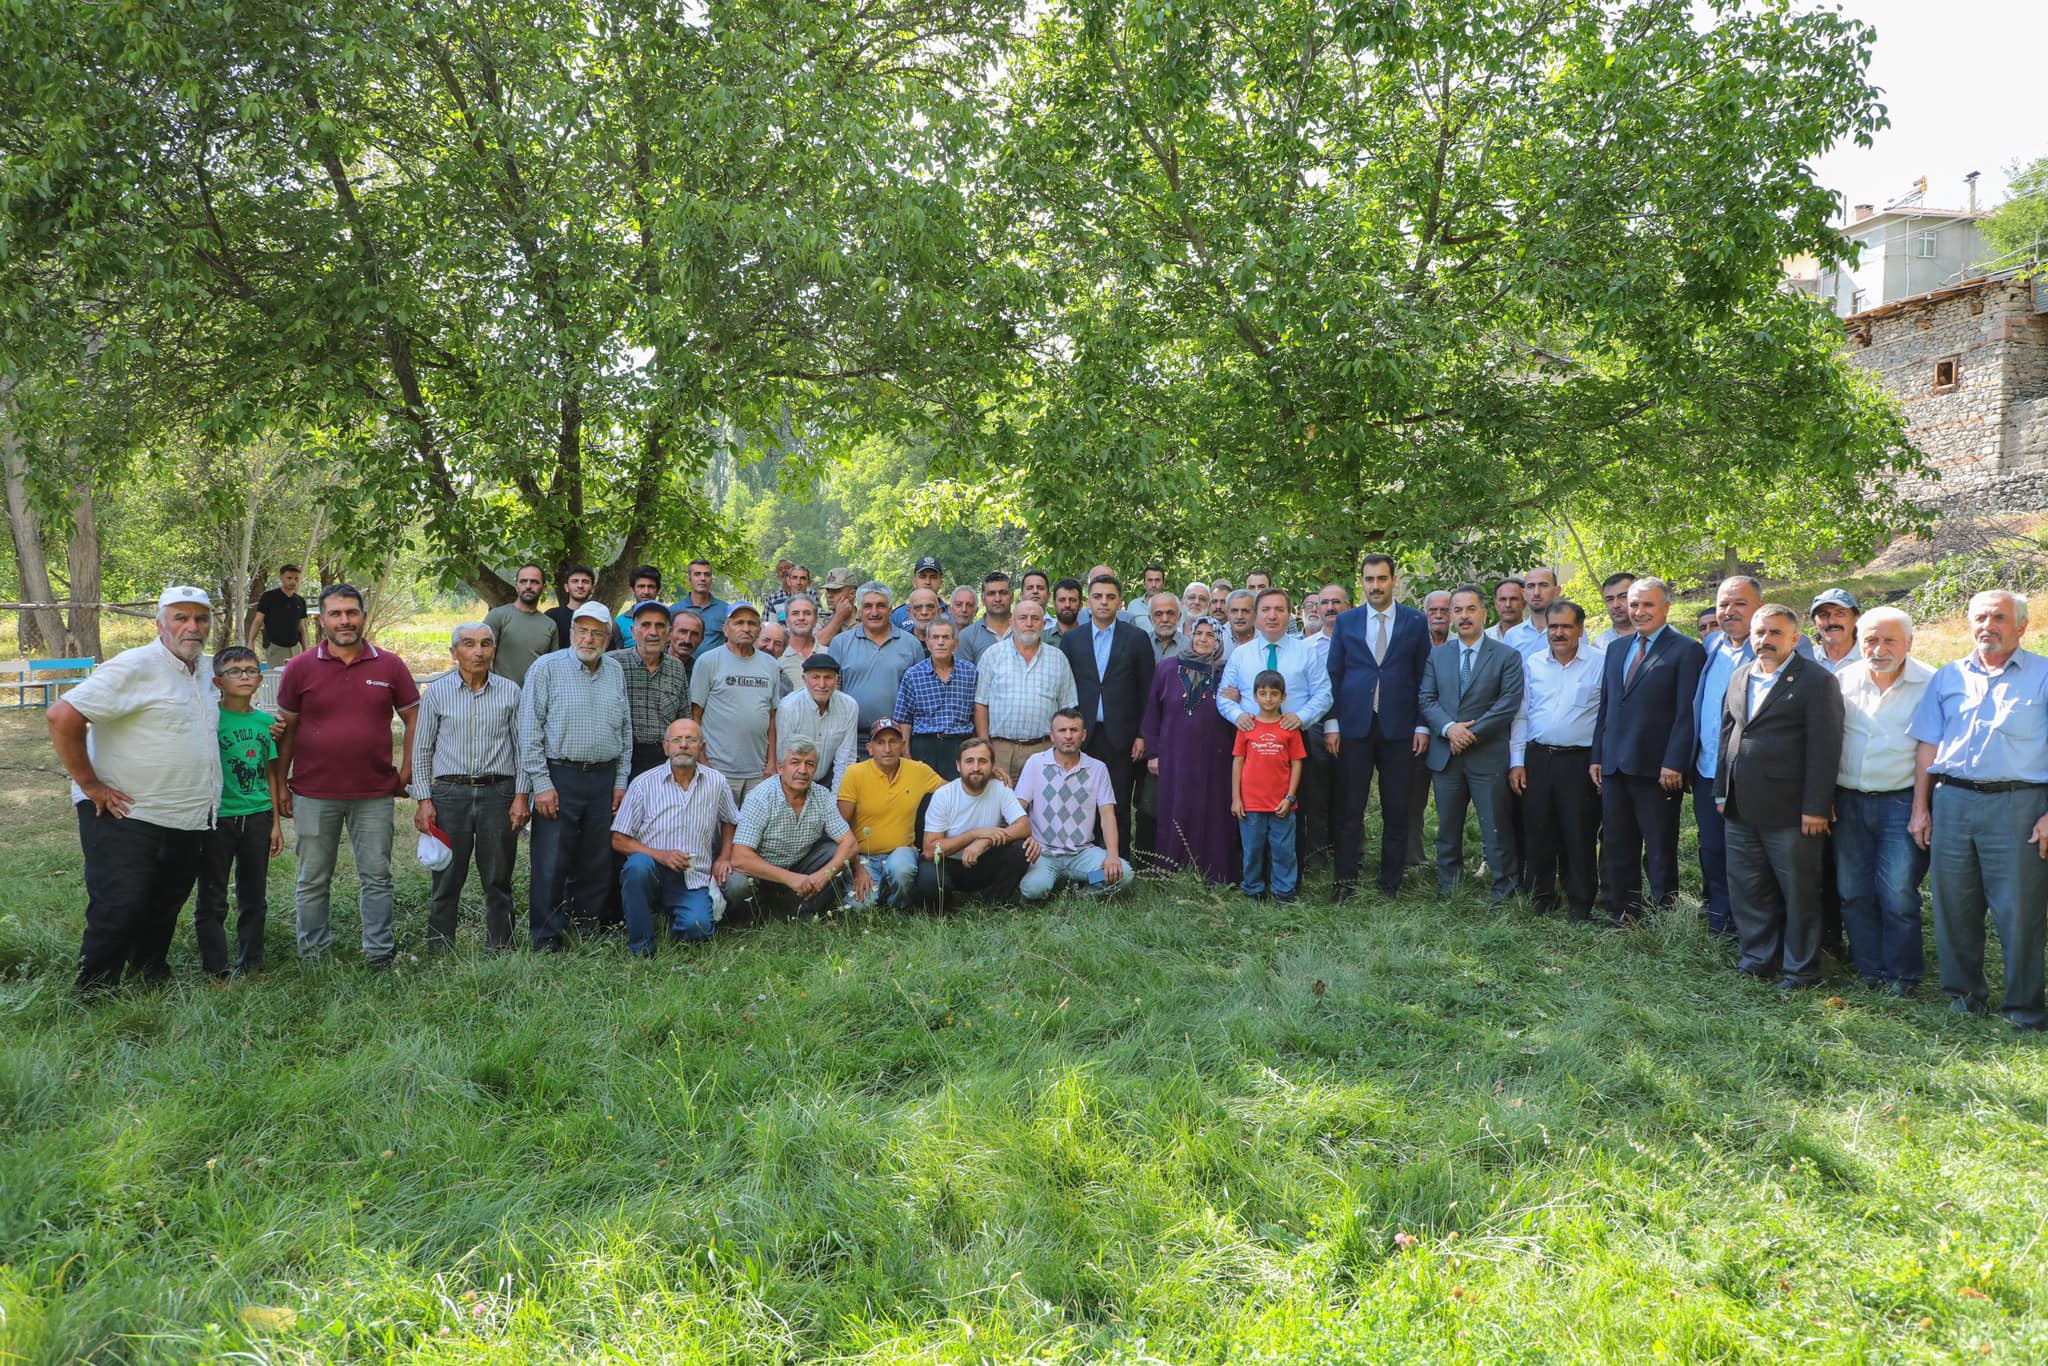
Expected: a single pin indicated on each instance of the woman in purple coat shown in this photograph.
(1190, 746)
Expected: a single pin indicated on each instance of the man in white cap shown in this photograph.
(140, 739)
(576, 746)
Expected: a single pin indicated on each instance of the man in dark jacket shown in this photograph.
(1113, 664)
(1376, 660)
(1781, 747)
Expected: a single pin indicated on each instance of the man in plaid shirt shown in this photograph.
(1067, 794)
(936, 698)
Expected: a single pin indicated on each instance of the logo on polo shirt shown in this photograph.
(378, 682)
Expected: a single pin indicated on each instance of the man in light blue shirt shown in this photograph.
(710, 609)
(1549, 755)
(1980, 808)
(1293, 658)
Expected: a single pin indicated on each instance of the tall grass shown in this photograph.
(1178, 1126)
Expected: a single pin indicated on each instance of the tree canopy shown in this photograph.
(1220, 281)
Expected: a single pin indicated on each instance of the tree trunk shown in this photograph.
(1731, 564)
(83, 556)
(44, 628)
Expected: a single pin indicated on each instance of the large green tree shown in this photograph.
(526, 262)
(2018, 229)
(1429, 274)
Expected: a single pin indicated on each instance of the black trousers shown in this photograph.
(478, 823)
(137, 876)
(1316, 830)
(773, 896)
(1359, 758)
(1774, 894)
(942, 882)
(237, 846)
(1123, 775)
(1641, 823)
(940, 753)
(1561, 815)
(578, 843)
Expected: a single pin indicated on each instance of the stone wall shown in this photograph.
(1993, 421)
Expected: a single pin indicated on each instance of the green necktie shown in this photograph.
(1273, 656)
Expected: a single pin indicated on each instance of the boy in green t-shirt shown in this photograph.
(248, 833)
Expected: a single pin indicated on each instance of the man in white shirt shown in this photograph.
(1614, 594)
(974, 833)
(140, 738)
(1549, 757)
(1878, 864)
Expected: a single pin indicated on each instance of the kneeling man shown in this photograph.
(1065, 792)
(675, 827)
(791, 842)
(973, 834)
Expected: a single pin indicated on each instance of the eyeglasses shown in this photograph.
(241, 673)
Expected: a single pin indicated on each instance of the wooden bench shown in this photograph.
(46, 676)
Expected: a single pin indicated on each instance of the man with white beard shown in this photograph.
(576, 745)
(139, 738)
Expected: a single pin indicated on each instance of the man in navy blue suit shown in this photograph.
(1376, 659)
(1643, 747)
(1112, 663)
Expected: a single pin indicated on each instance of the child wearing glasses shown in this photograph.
(248, 831)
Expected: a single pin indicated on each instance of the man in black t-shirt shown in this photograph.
(278, 630)
(577, 585)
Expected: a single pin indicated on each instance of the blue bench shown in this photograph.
(46, 676)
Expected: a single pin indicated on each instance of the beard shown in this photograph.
(975, 785)
(1027, 638)
(587, 655)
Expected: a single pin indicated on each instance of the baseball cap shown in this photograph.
(821, 662)
(841, 578)
(592, 611)
(733, 609)
(183, 592)
(651, 605)
(1837, 597)
(883, 723)
(929, 562)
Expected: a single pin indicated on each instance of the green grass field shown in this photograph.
(1177, 1127)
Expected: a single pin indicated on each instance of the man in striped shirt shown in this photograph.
(576, 748)
(467, 780)
(675, 830)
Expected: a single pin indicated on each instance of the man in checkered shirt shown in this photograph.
(1067, 794)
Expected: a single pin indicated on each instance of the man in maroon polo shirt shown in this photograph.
(337, 701)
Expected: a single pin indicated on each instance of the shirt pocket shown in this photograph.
(2023, 719)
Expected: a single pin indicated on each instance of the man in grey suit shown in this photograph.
(1781, 745)
(1471, 690)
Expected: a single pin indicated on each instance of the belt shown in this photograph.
(601, 766)
(1560, 749)
(1966, 785)
(1043, 739)
(475, 780)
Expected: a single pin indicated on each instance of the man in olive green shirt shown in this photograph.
(524, 632)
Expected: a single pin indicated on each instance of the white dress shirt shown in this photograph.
(1878, 749)
(1560, 702)
(155, 735)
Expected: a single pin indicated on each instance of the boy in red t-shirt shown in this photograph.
(1265, 773)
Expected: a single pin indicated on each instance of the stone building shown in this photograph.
(1968, 364)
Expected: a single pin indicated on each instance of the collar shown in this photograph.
(189, 670)
(1651, 639)
(669, 770)
(2012, 662)
(320, 652)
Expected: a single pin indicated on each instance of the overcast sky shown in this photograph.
(1963, 81)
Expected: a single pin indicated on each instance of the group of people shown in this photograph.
(1002, 741)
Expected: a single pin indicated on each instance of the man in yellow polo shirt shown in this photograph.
(879, 798)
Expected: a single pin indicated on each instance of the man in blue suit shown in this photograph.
(1376, 659)
(1643, 747)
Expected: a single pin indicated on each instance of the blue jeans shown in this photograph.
(1044, 876)
(318, 823)
(1878, 868)
(894, 875)
(1981, 862)
(1269, 850)
(644, 885)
